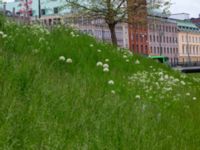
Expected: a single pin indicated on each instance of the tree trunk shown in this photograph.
(113, 34)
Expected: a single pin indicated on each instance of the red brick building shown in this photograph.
(138, 28)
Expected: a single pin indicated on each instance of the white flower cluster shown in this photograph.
(3, 35)
(105, 66)
(73, 34)
(68, 60)
(152, 82)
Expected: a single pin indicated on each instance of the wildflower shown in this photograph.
(187, 94)
(137, 62)
(99, 64)
(69, 60)
(105, 69)
(111, 82)
(176, 80)
(160, 73)
(127, 60)
(1, 32)
(62, 58)
(99, 51)
(183, 83)
(4, 36)
(166, 77)
(41, 39)
(107, 60)
(137, 97)
(106, 66)
(124, 56)
(91, 45)
(194, 98)
(161, 79)
(113, 92)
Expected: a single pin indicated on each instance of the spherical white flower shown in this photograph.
(137, 62)
(124, 56)
(105, 65)
(99, 64)
(62, 58)
(127, 60)
(187, 94)
(1, 32)
(91, 45)
(105, 69)
(166, 77)
(111, 82)
(4, 36)
(113, 92)
(69, 60)
(107, 60)
(137, 97)
(194, 98)
(99, 51)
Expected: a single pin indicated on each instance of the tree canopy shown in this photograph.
(115, 11)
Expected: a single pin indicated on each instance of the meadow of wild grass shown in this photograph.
(61, 89)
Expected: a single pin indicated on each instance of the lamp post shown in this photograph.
(39, 9)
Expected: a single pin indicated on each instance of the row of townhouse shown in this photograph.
(177, 39)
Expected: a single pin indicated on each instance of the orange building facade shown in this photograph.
(138, 27)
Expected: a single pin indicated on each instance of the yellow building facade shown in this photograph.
(188, 43)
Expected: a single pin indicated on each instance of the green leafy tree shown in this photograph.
(112, 11)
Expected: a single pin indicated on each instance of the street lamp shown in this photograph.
(39, 9)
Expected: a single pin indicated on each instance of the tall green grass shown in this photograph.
(46, 103)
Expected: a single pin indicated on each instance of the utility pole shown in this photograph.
(39, 9)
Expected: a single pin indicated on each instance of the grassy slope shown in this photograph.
(49, 104)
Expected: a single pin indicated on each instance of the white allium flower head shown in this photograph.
(137, 97)
(111, 82)
(99, 64)
(105, 69)
(194, 98)
(127, 60)
(187, 94)
(4, 36)
(91, 45)
(62, 58)
(69, 60)
(105, 65)
(99, 51)
(166, 76)
(137, 62)
(113, 92)
(125, 56)
(107, 60)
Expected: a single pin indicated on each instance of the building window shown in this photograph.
(43, 12)
(150, 38)
(55, 10)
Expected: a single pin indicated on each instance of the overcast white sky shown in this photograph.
(188, 6)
